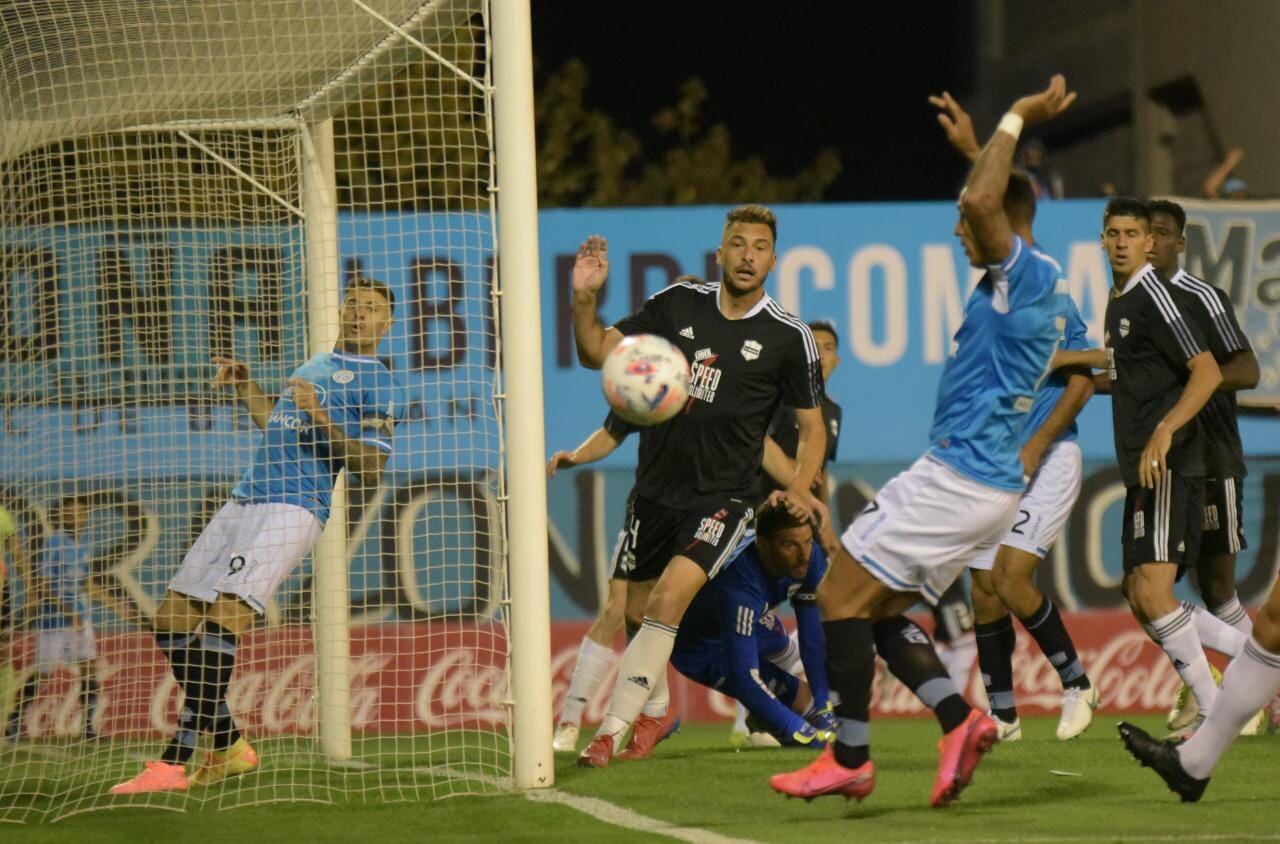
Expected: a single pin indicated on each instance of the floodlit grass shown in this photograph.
(696, 781)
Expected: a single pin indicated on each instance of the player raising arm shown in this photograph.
(338, 410)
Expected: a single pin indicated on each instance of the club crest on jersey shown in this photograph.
(751, 349)
(344, 376)
(1124, 327)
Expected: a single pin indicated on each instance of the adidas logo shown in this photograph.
(687, 331)
(640, 680)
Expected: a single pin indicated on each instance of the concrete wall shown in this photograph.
(1109, 50)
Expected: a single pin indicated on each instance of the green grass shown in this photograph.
(695, 780)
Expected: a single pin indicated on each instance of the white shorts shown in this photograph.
(925, 525)
(1045, 506)
(64, 646)
(247, 550)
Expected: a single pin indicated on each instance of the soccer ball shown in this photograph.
(645, 379)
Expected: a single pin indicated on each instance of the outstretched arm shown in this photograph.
(958, 126)
(982, 200)
(598, 446)
(234, 374)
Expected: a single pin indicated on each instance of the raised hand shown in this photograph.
(957, 124)
(1049, 103)
(304, 395)
(231, 373)
(591, 267)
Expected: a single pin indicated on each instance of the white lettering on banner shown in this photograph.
(893, 277)
(796, 261)
(1089, 281)
(459, 689)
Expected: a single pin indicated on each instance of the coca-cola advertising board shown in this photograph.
(409, 677)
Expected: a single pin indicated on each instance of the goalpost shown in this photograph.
(183, 180)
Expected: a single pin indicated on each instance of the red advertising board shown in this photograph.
(426, 677)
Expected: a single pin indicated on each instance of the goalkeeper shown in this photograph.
(731, 640)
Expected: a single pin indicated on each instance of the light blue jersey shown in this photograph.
(293, 465)
(1074, 337)
(1012, 325)
(63, 566)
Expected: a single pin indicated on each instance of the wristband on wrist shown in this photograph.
(1010, 123)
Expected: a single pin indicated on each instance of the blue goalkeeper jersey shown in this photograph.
(1074, 337)
(294, 465)
(1012, 325)
(731, 623)
(63, 566)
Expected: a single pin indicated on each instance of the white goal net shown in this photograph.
(182, 181)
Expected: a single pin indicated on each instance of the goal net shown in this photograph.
(183, 181)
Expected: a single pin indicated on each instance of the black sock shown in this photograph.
(911, 658)
(89, 702)
(850, 672)
(1046, 627)
(177, 648)
(29, 691)
(217, 661)
(996, 641)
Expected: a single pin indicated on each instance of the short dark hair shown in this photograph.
(1125, 206)
(364, 282)
(753, 214)
(1173, 209)
(775, 519)
(827, 326)
(686, 278)
(1020, 198)
(65, 503)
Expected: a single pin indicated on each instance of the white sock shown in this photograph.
(642, 664)
(1176, 634)
(1233, 613)
(739, 718)
(594, 662)
(659, 698)
(1249, 682)
(1216, 634)
(789, 658)
(958, 658)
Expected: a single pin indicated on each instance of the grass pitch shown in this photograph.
(698, 782)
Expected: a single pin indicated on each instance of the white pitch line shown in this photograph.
(1057, 839)
(606, 812)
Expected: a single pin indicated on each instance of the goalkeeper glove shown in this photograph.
(825, 719)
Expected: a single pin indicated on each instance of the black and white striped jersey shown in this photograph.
(1149, 339)
(1212, 310)
(741, 371)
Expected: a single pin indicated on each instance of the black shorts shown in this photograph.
(652, 534)
(1162, 525)
(1223, 530)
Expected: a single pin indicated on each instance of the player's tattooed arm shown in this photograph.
(982, 200)
(590, 269)
(359, 458)
(235, 374)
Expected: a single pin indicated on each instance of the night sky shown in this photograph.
(787, 79)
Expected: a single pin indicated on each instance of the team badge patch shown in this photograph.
(344, 376)
(1124, 327)
(751, 349)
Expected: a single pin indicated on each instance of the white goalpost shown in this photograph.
(181, 181)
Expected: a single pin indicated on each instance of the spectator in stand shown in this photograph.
(1220, 184)
(1045, 178)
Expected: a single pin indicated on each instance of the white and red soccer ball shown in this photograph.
(645, 379)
